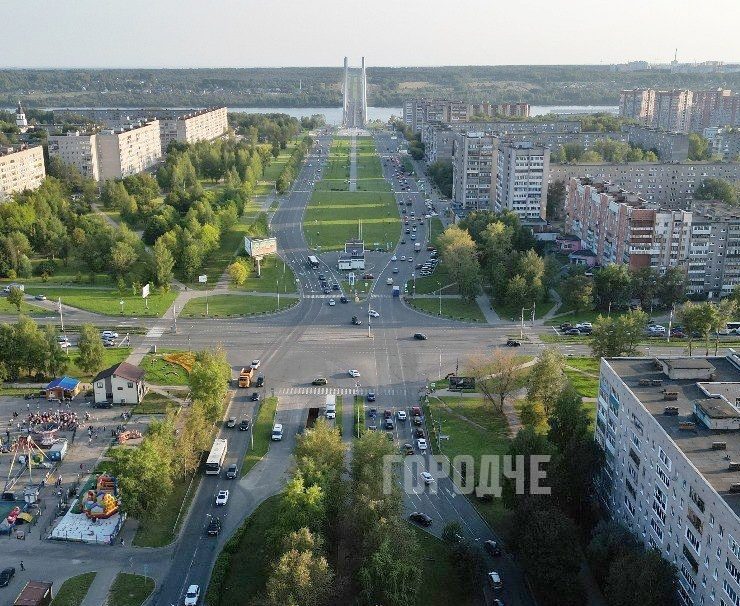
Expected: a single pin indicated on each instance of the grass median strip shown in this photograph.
(358, 421)
(236, 305)
(73, 591)
(457, 309)
(108, 302)
(130, 590)
(262, 428)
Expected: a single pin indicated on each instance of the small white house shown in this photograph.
(120, 384)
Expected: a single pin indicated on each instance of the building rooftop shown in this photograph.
(6, 150)
(198, 112)
(715, 398)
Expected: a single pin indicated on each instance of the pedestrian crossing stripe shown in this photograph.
(339, 391)
(155, 332)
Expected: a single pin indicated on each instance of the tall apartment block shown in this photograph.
(474, 170)
(77, 149)
(202, 125)
(637, 104)
(21, 168)
(715, 108)
(126, 152)
(724, 141)
(669, 430)
(621, 227)
(714, 254)
(520, 110)
(521, 180)
(419, 112)
(672, 110)
(670, 146)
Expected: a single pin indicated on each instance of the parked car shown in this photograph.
(214, 527)
(6, 576)
(40, 297)
(513, 343)
(494, 580)
(421, 518)
(109, 334)
(573, 331)
(319, 381)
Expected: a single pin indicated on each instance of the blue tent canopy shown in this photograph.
(66, 383)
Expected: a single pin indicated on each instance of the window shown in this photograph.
(664, 458)
(656, 528)
(663, 476)
(732, 569)
(99, 384)
(129, 384)
(693, 541)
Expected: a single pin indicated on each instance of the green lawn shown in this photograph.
(158, 531)
(26, 309)
(437, 229)
(373, 185)
(335, 173)
(507, 312)
(155, 404)
(586, 382)
(275, 274)
(338, 419)
(220, 306)
(488, 435)
(439, 587)
(273, 170)
(130, 590)
(161, 372)
(111, 356)
(457, 309)
(108, 301)
(240, 572)
(73, 591)
(428, 285)
(358, 421)
(262, 428)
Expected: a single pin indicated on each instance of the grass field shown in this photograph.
(428, 285)
(130, 590)
(339, 414)
(262, 428)
(161, 372)
(73, 591)
(108, 302)
(272, 172)
(336, 171)
(154, 404)
(586, 382)
(507, 312)
(245, 571)
(436, 230)
(26, 309)
(220, 306)
(111, 356)
(438, 588)
(358, 420)
(474, 428)
(457, 309)
(275, 274)
(161, 530)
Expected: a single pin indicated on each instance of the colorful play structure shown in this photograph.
(102, 502)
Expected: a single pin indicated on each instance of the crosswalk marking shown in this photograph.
(155, 332)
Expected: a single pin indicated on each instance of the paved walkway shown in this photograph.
(484, 302)
(98, 592)
(554, 310)
(353, 165)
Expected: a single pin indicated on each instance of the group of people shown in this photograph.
(67, 420)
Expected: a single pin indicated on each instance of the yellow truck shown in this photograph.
(245, 376)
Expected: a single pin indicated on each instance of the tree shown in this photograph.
(459, 255)
(56, 360)
(645, 286)
(698, 148)
(612, 286)
(578, 292)
(556, 200)
(724, 312)
(122, 257)
(653, 581)
(495, 244)
(91, 351)
(618, 335)
(527, 443)
(238, 272)
(15, 297)
(716, 189)
(696, 318)
(609, 542)
(517, 292)
(209, 380)
(547, 378)
(441, 174)
(298, 578)
(163, 263)
(497, 374)
(671, 286)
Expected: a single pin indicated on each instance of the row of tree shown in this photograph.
(293, 165)
(440, 172)
(416, 146)
(602, 150)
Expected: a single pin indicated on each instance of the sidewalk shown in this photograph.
(98, 592)
(485, 306)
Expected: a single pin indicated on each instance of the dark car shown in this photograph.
(319, 381)
(255, 397)
(419, 433)
(387, 414)
(356, 321)
(372, 413)
(407, 449)
(420, 336)
(566, 326)
(214, 527)
(6, 575)
(327, 291)
(244, 425)
(368, 277)
(492, 548)
(513, 343)
(335, 286)
(371, 396)
(572, 331)
(421, 518)
(343, 299)
(260, 381)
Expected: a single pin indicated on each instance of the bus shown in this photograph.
(732, 328)
(313, 262)
(216, 457)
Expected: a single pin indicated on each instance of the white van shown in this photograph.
(331, 407)
(277, 432)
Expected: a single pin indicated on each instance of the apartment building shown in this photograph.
(669, 430)
(521, 180)
(670, 185)
(520, 110)
(672, 110)
(637, 104)
(621, 227)
(419, 112)
(714, 108)
(438, 142)
(202, 125)
(724, 141)
(21, 168)
(474, 167)
(129, 151)
(670, 146)
(714, 254)
(77, 149)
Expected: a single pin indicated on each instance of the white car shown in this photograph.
(108, 335)
(332, 302)
(354, 373)
(373, 314)
(394, 258)
(222, 497)
(192, 595)
(231, 422)
(401, 414)
(422, 444)
(256, 364)
(65, 344)
(427, 477)
(277, 432)
(403, 257)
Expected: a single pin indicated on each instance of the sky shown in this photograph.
(273, 33)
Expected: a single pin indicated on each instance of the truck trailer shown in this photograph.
(245, 376)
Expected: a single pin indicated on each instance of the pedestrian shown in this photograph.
(28, 405)
(22, 566)
(123, 543)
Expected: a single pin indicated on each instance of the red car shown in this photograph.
(387, 414)
(415, 411)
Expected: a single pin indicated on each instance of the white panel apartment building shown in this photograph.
(21, 167)
(77, 149)
(202, 125)
(669, 429)
(474, 170)
(129, 151)
(521, 180)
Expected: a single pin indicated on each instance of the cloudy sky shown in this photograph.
(255, 33)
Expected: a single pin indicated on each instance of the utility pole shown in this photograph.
(61, 317)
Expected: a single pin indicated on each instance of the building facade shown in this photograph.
(21, 168)
(438, 141)
(670, 185)
(77, 149)
(474, 169)
(521, 180)
(670, 146)
(120, 384)
(637, 104)
(724, 141)
(670, 473)
(672, 110)
(129, 151)
(202, 125)
(715, 108)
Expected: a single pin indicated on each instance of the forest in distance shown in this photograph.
(321, 86)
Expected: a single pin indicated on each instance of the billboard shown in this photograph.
(260, 247)
(462, 383)
(145, 291)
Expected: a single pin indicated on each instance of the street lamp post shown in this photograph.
(121, 303)
(440, 297)
(277, 289)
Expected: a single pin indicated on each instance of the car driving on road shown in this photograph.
(421, 518)
(354, 373)
(222, 497)
(192, 595)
